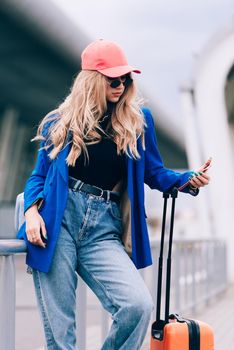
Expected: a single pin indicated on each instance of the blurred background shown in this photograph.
(185, 51)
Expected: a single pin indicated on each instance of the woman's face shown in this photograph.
(115, 88)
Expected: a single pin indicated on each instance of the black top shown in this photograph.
(104, 168)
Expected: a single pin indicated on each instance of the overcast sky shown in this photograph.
(162, 38)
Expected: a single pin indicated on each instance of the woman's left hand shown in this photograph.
(200, 178)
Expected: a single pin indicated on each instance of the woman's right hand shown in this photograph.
(34, 225)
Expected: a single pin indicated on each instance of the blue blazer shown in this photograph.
(49, 181)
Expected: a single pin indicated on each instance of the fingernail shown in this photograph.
(46, 236)
(200, 173)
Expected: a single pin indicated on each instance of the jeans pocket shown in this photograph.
(115, 210)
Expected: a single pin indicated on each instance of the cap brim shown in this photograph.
(118, 71)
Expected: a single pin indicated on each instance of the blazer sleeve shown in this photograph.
(156, 175)
(34, 187)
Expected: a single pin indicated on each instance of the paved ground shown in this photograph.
(29, 334)
(220, 316)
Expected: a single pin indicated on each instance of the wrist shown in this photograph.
(33, 208)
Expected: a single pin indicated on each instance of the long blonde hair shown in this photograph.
(80, 113)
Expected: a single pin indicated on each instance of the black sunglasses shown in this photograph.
(126, 80)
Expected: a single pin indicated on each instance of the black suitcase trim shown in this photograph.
(193, 329)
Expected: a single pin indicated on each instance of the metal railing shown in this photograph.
(199, 272)
(8, 248)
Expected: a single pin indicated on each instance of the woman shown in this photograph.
(84, 201)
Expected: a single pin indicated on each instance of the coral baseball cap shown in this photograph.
(106, 57)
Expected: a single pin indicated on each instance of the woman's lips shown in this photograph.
(116, 94)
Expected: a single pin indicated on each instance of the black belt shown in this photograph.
(78, 185)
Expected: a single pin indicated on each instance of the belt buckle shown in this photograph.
(78, 186)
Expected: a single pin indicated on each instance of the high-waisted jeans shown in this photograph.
(90, 245)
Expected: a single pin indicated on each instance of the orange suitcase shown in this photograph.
(175, 332)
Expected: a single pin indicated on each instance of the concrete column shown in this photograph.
(195, 158)
(210, 78)
(7, 146)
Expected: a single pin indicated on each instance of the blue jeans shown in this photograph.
(90, 245)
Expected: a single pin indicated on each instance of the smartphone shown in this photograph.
(207, 165)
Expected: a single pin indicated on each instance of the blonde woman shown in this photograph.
(84, 202)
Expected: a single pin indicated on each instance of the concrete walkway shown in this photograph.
(220, 316)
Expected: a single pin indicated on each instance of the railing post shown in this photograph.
(81, 314)
(193, 272)
(224, 257)
(185, 274)
(177, 277)
(105, 324)
(7, 303)
(208, 273)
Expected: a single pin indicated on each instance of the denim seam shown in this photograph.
(50, 342)
(101, 285)
(113, 214)
(81, 233)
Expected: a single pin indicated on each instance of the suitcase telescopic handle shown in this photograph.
(173, 194)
